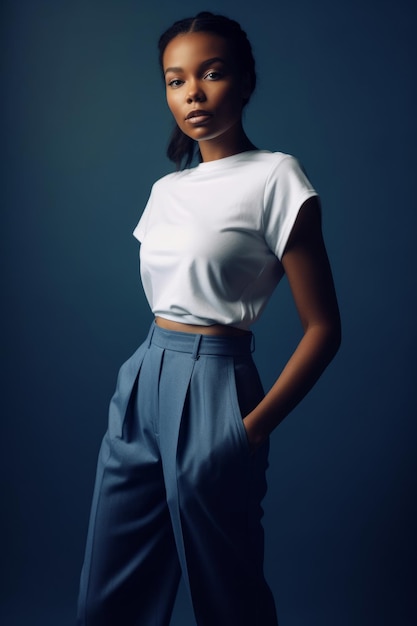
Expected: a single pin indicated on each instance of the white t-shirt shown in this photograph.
(213, 236)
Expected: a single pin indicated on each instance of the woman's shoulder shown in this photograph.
(274, 166)
(264, 161)
(268, 162)
(167, 180)
(275, 158)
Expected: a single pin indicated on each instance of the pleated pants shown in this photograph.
(177, 490)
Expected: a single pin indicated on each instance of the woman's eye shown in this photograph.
(213, 75)
(175, 82)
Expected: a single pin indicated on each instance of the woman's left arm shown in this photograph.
(308, 271)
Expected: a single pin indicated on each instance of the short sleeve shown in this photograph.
(141, 226)
(286, 190)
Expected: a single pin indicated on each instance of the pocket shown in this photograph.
(237, 410)
(121, 403)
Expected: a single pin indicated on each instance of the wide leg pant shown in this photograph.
(177, 490)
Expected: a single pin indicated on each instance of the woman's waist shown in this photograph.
(215, 330)
(197, 343)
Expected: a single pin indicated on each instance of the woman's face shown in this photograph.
(204, 86)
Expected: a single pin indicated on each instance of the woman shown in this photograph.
(181, 471)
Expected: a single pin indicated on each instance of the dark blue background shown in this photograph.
(85, 128)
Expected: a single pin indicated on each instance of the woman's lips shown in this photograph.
(198, 117)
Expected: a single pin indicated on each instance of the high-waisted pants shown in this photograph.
(177, 490)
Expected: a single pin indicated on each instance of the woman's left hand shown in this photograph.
(254, 441)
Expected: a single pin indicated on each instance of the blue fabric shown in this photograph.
(177, 491)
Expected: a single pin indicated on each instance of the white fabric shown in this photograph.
(213, 236)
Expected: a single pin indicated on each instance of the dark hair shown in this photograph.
(181, 147)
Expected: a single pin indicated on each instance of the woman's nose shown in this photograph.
(195, 93)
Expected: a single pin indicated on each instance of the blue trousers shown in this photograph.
(177, 491)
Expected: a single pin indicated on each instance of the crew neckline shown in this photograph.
(220, 163)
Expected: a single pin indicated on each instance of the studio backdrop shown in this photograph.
(85, 128)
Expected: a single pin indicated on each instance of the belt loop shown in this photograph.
(196, 348)
(150, 335)
(252, 344)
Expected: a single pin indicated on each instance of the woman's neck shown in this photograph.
(228, 144)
